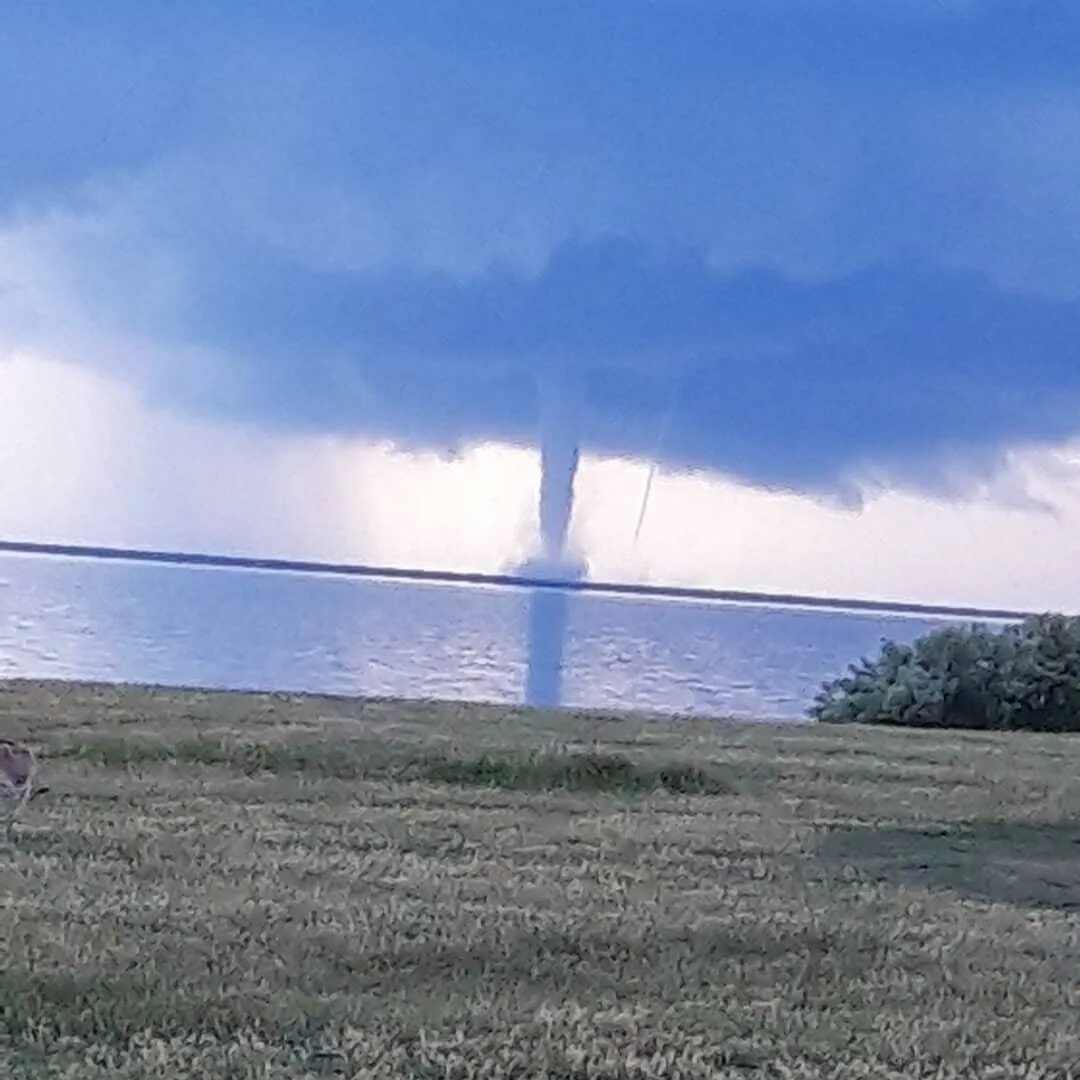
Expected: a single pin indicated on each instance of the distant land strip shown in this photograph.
(454, 577)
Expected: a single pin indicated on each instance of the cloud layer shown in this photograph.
(796, 243)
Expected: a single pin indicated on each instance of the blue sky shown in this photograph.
(793, 244)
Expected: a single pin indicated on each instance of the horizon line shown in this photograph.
(464, 577)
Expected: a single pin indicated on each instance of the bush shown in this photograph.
(1024, 676)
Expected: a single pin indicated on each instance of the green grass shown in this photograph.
(275, 886)
(249, 758)
(575, 771)
(515, 771)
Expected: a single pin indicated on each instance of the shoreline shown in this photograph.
(35, 683)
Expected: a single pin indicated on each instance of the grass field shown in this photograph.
(228, 885)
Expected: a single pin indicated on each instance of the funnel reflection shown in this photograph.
(547, 638)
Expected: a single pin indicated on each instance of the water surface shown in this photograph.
(244, 629)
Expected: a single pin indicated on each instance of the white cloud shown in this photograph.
(84, 459)
(706, 531)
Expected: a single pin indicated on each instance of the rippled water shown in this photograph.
(84, 619)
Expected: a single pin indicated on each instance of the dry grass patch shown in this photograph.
(268, 886)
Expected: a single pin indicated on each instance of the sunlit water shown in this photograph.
(82, 619)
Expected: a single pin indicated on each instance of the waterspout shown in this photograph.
(559, 458)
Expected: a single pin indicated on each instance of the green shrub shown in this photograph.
(1024, 676)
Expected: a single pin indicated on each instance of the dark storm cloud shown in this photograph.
(777, 381)
(782, 240)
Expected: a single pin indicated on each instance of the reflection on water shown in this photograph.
(133, 622)
(547, 639)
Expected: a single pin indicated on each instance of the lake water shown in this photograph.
(243, 629)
